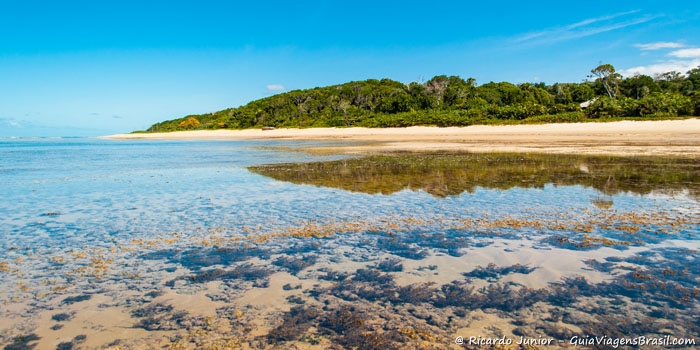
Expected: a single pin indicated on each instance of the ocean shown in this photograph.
(256, 244)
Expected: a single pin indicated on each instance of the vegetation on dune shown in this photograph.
(453, 101)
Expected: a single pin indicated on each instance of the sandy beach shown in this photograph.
(668, 137)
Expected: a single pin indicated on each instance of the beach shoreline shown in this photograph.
(665, 137)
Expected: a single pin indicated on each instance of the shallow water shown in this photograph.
(194, 244)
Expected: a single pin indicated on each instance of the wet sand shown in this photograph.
(666, 137)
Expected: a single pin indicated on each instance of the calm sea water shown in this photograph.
(67, 202)
(57, 191)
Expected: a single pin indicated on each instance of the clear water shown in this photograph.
(65, 202)
(67, 191)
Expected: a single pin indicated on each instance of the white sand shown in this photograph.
(668, 137)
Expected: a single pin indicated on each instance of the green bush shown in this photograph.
(665, 105)
(605, 107)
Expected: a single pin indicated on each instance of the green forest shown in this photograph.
(453, 101)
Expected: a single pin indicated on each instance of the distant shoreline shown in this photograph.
(665, 137)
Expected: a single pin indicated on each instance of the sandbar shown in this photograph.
(665, 137)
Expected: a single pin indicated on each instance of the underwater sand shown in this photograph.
(187, 251)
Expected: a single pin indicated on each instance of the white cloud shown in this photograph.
(659, 45)
(586, 22)
(276, 87)
(681, 60)
(662, 67)
(581, 29)
(686, 53)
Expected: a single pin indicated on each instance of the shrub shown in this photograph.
(189, 123)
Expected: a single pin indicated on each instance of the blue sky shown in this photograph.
(101, 67)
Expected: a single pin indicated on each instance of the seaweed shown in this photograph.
(151, 310)
(372, 276)
(294, 324)
(246, 272)
(61, 317)
(23, 342)
(492, 271)
(667, 289)
(288, 287)
(416, 243)
(165, 321)
(397, 247)
(76, 299)
(334, 276)
(415, 293)
(345, 326)
(295, 299)
(65, 346)
(567, 291)
(449, 241)
(70, 345)
(389, 265)
(458, 294)
(199, 258)
(664, 276)
(154, 293)
(350, 328)
(294, 265)
(607, 266)
(505, 298)
(368, 284)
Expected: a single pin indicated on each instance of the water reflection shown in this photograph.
(452, 174)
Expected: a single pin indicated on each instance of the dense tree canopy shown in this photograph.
(451, 100)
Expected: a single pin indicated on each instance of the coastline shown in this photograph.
(665, 137)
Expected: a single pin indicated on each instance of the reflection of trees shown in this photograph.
(604, 201)
(451, 174)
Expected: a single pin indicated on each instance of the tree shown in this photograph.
(676, 82)
(695, 99)
(582, 92)
(638, 86)
(562, 94)
(451, 100)
(694, 77)
(189, 123)
(671, 81)
(605, 73)
(605, 107)
(437, 86)
(457, 92)
(398, 101)
(665, 104)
